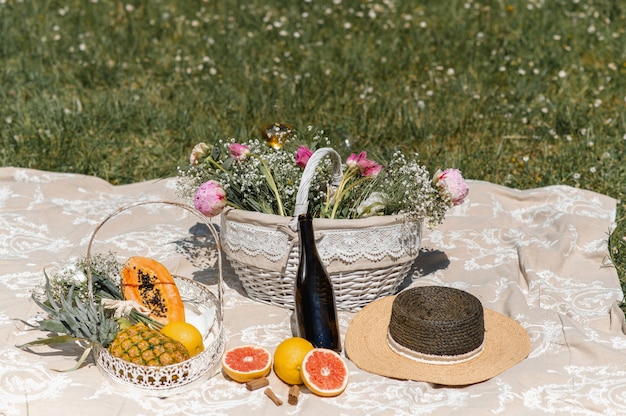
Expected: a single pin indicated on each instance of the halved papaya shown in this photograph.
(148, 282)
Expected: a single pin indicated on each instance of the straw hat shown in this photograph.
(435, 334)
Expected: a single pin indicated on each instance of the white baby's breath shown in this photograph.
(73, 276)
(265, 175)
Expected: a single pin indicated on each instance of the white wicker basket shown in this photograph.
(366, 258)
(208, 308)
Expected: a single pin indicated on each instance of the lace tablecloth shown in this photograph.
(538, 256)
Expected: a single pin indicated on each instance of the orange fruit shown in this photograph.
(288, 358)
(246, 362)
(186, 334)
(324, 372)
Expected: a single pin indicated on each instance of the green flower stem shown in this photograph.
(343, 190)
(232, 204)
(332, 199)
(215, 164)
(270, 181)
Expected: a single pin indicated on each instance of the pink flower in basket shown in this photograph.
(210, 199)
(239, 151)
(367, 167)
(302, 156)
(198, 153)
(353, 159)
(452, 181)
(262, 178)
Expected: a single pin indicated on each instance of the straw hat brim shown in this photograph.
(506, 344)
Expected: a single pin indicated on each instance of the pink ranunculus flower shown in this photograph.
(210, 198)
(353, 159)
(199, 152)
(369, 167)
(452, 181)
(238, 151)
(302, 156)
(366, 166)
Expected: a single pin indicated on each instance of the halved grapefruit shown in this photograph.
(324, 372)
(246, 362)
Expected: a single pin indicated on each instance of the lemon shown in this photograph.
(288, 358)
(186, 334)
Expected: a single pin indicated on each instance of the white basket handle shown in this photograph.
(302, 198)
(197, 214)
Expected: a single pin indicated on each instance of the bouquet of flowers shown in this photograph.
(264, 176)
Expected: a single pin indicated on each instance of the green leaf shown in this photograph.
(215, 153)
(59, 339)
(104, 286)
(80, 361)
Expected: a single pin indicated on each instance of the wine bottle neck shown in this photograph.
(305, 223)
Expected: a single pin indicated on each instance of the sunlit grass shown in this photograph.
(524, 93)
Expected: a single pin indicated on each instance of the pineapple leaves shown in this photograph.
(75, 319)
(80, 361)
(59, 339)
(51, 325)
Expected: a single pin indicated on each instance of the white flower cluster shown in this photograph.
(73, 276)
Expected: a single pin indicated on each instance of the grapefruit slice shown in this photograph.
(324, 372)
(246, 362)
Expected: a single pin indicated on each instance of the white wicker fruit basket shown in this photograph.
(366, 258)
(202, 306)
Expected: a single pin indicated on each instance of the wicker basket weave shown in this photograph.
(167, 380)
(366, 258)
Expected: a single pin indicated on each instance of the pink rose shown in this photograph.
(452, 181)
(366, 166)
(302, 156)
(238, 151)
(210, 199)
(198, 153)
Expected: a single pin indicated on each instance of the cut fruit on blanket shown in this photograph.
(246, 362)
(324, 372)
(150, 284)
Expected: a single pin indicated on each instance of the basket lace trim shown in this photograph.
(347, 245)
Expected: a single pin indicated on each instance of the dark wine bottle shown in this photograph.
(315, 307)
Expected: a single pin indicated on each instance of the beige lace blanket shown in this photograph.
(538, 256)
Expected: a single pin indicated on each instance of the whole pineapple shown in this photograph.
(142, 345)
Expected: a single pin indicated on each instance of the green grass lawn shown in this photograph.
(523, 93)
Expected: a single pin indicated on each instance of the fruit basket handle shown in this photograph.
(188, 208)
(302, 198)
